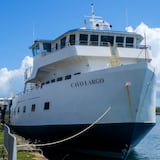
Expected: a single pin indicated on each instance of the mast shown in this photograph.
(97, 21)
(92, 16)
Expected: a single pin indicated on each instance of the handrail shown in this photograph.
(10, 143)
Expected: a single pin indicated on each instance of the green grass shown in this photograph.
(3, 153)
(1, 137)
(24, 156)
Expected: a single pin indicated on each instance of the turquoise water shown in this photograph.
(149, 147)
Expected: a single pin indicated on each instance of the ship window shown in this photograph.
(94, 40)
(42, 84)
(67, 77)
(59, 78)
(33, 108)
(47, 47)
(77, 73)
(83, 39)
(53, 80)
(119, 41)
(72, 38)
(18, 110)
(56, 46)
(107, 40)
(36, 50)
(24, 109)
(47, 82)
(129, 41)
(46, 105)
(63, 42)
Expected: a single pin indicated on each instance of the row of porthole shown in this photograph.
(33, 107)
(67, 77)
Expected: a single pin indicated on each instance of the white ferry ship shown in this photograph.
(79, 76)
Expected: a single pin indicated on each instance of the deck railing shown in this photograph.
(10, 143)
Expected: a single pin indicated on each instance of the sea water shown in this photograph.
(147, 149)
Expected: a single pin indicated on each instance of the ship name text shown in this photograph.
(87, 83)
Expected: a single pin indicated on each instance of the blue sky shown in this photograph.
(23, 21)
(49, 18)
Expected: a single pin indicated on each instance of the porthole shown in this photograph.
(67, 77)
(59, 79)
(24, 109)
(46, 105)
(33, 108)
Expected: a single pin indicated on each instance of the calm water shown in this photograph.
(148, 149)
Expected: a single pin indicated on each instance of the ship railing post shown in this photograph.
(10, 143)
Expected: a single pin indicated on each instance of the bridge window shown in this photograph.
(83, 39)
(94, 40)
(72, 39)
(36, 50)
(47, 47)
(107, 40)
(129, 41)
(63, 42)
(120, 41)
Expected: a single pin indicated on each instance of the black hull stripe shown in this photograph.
(114, 139)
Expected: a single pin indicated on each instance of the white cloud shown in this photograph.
(152, 39)
(12, 80)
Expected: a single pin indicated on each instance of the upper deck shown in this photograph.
(87, 37)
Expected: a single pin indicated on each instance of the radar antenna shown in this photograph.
(97, 21)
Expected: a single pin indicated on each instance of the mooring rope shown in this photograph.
(68, 138)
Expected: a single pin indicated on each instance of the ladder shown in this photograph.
(114, 58)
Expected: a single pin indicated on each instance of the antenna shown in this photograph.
(97, 22)
(127, 18)
(92, 16)
(33, 33)
(92, 6)
(145, 46)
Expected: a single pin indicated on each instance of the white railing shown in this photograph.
(10, 143)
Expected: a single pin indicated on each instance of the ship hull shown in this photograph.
(106, 140)
(76, 104)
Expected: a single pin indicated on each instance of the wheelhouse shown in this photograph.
(88, 38)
